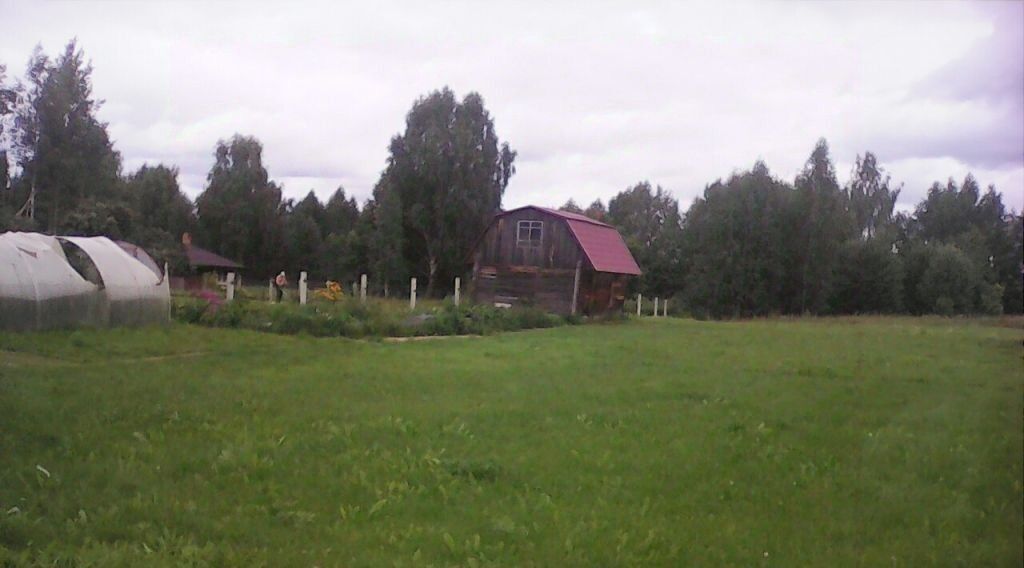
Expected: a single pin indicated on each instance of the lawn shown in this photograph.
(893, 442)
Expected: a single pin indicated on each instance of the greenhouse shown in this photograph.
(51, 282)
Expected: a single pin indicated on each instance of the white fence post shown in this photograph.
(231, 286)
(655, 306)
(639, 302)
(270, 290)
(362, 288)
(664, 309)
(458, 286)
(412, 294)
(302, 288)
(167, 279)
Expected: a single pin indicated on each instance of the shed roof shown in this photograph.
(200, 257)
(600, 242)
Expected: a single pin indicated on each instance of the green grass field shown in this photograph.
(894, 442)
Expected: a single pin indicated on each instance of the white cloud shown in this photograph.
(918, 174)
(593, 98)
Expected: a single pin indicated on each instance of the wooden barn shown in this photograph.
(562, 262)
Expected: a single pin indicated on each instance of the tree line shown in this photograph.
(443, 181)
(756, 245)
(752, 245)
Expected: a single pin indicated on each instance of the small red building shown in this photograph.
(200, 263)
(562, 262)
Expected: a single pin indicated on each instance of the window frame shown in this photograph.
(529, 225)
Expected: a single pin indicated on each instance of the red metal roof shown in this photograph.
(200, 257)
(601, 243)
(604, 247)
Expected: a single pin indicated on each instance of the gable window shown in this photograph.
(529, 233)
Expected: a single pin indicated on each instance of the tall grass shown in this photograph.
(824, 442)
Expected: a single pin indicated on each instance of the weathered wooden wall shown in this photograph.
(504, 273)
(558, 248)
(601, 292)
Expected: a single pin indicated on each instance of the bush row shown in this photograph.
(351, 318)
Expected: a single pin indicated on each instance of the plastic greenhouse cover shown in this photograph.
(40, 289)
(142, 256)
(136, 295)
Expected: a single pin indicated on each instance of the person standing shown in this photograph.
(279, 284)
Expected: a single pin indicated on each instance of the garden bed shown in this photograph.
(352, 318)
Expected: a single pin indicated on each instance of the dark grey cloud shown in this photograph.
(992, 69)
(986, 85)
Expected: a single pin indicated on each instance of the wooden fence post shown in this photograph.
(639, 303)
(303, 289)
(458, 286)
(664, 309)
(231, 286)
(270, 290)
(412, 294)
(655, 306)
(576, 286)
(362, 288)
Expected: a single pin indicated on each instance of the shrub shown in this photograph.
(944, 306)
(869, 278)
(949, 277)
(188, 309)
(291, 321)
(990, 300)
(375, 318)
(449, 320)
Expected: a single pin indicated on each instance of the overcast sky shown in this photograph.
(593, 96)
